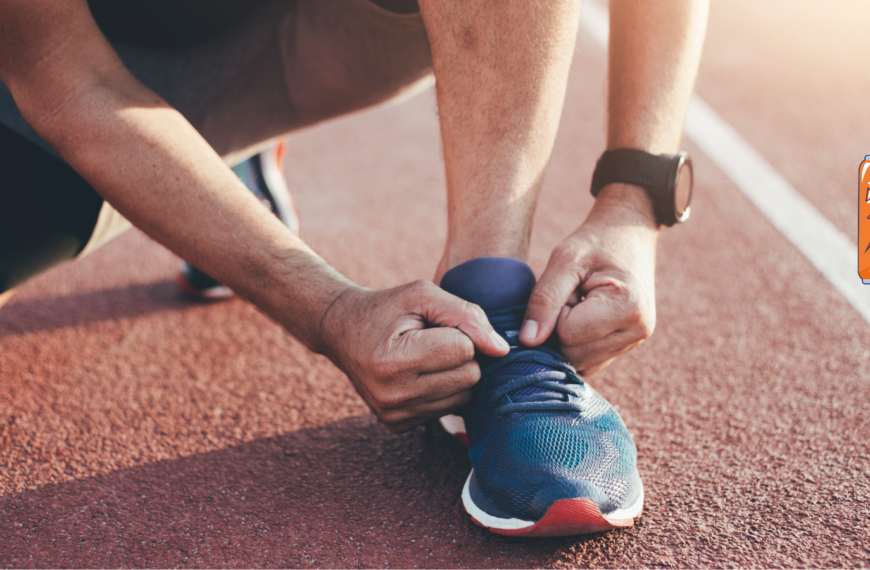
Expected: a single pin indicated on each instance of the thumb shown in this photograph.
(446, 310)
(548, 298)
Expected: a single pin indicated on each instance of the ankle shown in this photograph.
(457, 255)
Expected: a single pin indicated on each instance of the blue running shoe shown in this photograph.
(263, 176)
(549, 455)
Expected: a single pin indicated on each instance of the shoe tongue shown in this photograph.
(496, 283)
(491, 282)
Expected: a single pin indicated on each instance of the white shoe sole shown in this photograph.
(566, 517)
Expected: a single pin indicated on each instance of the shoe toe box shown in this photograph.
(527, 465)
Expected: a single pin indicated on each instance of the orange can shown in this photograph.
(864, 221)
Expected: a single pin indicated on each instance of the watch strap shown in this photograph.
(632, 166)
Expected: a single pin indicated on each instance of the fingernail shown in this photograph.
(564, 313)
(529, 331)
(501, 343)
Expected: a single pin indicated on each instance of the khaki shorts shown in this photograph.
(290, 64)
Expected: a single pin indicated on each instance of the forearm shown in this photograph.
(655, 50)
(501, 71)
(147, 161)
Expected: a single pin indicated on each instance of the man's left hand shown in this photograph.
(598, 291)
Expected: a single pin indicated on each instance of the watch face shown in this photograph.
(683, 191)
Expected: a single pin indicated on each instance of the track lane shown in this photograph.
(139, 430)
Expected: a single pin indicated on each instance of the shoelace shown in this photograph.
(557, 388)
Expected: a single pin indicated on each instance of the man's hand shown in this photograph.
(409, 351)
(598, 291)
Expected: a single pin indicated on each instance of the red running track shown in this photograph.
(138, 429)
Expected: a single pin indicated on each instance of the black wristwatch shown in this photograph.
(667, 178)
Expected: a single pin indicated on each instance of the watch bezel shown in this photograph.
(682, 160)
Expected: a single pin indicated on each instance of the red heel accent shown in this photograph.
(568, 517)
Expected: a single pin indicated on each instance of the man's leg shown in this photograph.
(290, 65)
(501, 71)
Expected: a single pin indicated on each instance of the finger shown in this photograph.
(597, 365)
(446, 310)
(434, 349)
(398, 421)
(412, 389)
(440, 385)
(589, 372)
(558, 282)
(588, 357)
(604, 311)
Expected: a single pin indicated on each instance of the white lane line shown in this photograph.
(596, 21)
(826, 247)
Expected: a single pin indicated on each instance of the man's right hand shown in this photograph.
(409, 351)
